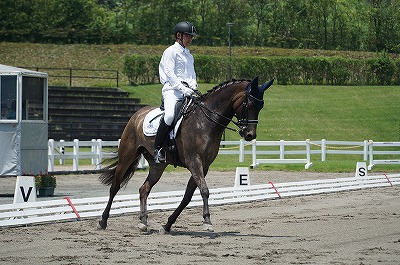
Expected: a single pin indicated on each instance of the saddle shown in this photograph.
(152, 121)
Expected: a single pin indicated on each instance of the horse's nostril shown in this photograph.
(250, 136)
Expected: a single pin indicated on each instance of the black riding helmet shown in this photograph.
(185, 27)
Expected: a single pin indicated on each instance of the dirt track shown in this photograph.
(357, 227)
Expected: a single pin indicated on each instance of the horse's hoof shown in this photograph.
(101, 225)
(162, 231)
(142, 227)
(208, 227)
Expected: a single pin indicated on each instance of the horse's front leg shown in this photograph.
(190, 188)
(205, 194)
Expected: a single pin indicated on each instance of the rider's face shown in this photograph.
(186, 40)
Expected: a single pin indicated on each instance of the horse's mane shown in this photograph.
(222, 85)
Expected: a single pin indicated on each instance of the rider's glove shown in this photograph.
(186, 90)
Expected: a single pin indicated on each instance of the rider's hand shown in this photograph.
(193, 84)
(187, 91)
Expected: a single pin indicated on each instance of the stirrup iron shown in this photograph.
(159, 156)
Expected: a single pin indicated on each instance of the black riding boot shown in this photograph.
(159, 152)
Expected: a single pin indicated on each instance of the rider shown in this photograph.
(178, 77)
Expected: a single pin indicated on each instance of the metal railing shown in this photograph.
(70, 74)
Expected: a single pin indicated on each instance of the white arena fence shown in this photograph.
(272, 152)
(76, 209)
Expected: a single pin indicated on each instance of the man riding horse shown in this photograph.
(207, 118)
(178, 77)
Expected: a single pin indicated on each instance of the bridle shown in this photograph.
(258, 104)
(244, 120)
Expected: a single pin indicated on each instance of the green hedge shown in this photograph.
(141, 69)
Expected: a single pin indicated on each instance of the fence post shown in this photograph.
(371, 155)
(365, 150)
(51, 155)
(99, 154)
(241, 151)
(70, 76)
(142, 162)
(323, 150)
(61, 150)
(93, 149)
(75, 160)
(282, 149)
(253, 153)
(308, 150)
(117, 77)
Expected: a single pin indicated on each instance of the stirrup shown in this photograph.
(159, 156)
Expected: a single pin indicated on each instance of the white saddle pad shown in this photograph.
(152, 121)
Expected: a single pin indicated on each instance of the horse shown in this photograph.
(197, 143)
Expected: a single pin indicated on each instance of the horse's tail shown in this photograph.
(108, 173)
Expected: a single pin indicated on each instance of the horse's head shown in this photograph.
(253, 102)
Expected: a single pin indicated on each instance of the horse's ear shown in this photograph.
(265, 86)
(254, 83)
(252, 88)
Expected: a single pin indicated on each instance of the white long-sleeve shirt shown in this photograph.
(176, 65)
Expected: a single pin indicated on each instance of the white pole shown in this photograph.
(241, 151)
(93, 149)
(99, 153)
(323, 150)
(371, 155)
(365, 150)
(51, 155)
(308, 149)
(282, 149)
(75, 160)
(61, 149)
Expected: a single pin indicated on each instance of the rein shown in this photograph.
(241, 123)
(204, 107)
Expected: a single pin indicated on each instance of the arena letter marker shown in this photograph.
(25, 189)
(242, 177)
(361, 170)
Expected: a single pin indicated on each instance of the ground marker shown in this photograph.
(73, 207)
(242, 177)
(276, 190)
(25, 189)
(361, 170)
(388, 179)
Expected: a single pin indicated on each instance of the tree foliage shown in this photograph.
(371, 25)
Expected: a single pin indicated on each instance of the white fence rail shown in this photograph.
(282, 152)
(76, 209)
(272, 152)
(374, 151)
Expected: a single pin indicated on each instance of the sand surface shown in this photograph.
(352, 227)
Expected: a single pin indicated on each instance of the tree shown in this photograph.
(324, 24)
(384, 15)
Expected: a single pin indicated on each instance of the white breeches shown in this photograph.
(170, 98)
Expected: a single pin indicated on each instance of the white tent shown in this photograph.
(24, 121)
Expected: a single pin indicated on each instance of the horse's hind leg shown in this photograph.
(155, 172)
(115, 186)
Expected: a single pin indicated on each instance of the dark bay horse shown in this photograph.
(197, 141)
